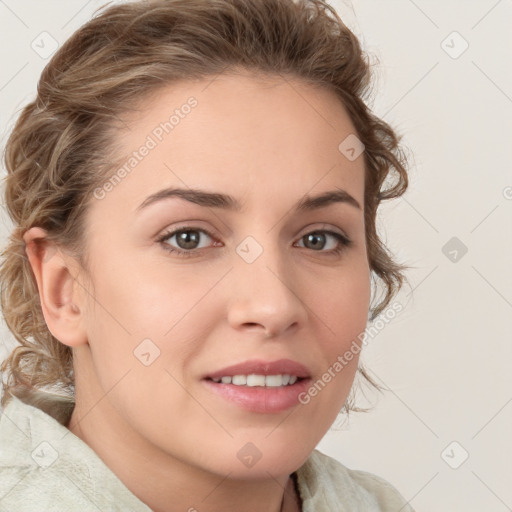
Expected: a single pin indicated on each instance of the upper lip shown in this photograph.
(260, 367)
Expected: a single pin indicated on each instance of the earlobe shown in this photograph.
(58, 289)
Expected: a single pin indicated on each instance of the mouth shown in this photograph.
(260, 386)
(258, 367)
(255, 380)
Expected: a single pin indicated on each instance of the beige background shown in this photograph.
(447, 356)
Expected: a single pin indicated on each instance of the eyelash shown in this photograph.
(344, 242)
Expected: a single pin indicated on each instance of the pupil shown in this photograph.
(187, 239)
(317, 239)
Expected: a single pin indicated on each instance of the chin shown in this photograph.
(260, 458)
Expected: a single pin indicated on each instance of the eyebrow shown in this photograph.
(226, 202)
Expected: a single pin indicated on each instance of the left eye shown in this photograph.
(316, 239)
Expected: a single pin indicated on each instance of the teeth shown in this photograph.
(255, 380)
(273, 381)
(270, 381)
(239, 380)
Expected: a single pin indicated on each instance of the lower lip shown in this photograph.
(259, 398)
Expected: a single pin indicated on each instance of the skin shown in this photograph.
(170, 440)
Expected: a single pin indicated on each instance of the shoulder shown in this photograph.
(326, 484)
(45, 467)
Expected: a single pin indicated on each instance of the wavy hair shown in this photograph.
(59, 149)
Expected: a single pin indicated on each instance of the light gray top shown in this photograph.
(45, 467)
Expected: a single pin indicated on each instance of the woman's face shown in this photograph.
(230, 272)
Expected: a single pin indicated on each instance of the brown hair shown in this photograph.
(58, 151)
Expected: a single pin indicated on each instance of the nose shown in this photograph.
(265, 296)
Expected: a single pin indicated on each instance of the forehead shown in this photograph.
(243, 104)
(256, 135)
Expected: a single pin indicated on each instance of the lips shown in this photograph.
(257, 396)
(260, 367)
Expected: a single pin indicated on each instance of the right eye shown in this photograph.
(188, 240)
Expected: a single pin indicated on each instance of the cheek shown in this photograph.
(344, 310)
(345, 304)
(139, 309)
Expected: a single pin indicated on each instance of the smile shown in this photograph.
(258, 398)
(252, 380)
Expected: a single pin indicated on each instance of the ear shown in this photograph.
(59, 291)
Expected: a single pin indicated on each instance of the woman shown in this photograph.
(195, 190)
